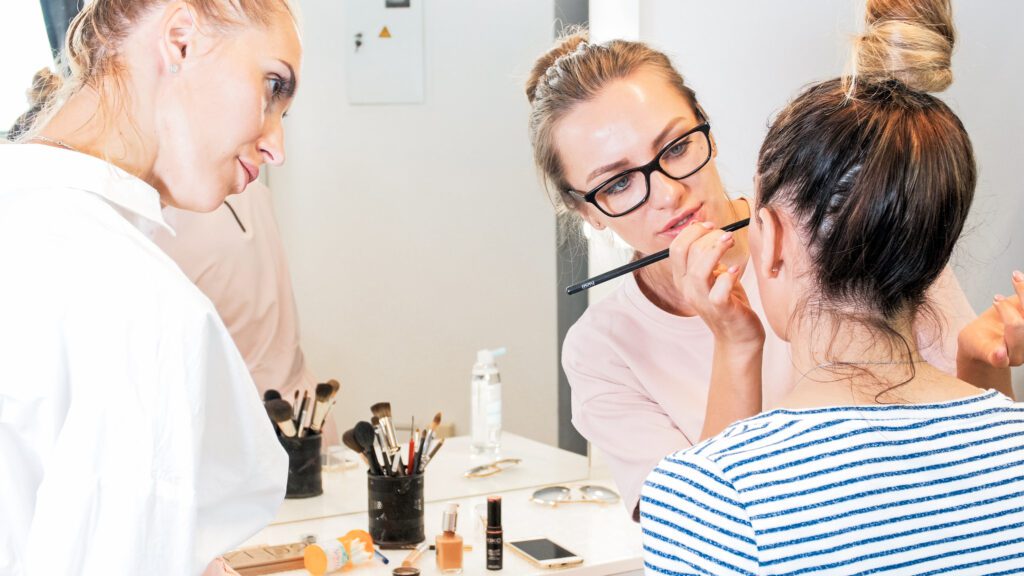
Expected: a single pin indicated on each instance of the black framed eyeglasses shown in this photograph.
(628, 190)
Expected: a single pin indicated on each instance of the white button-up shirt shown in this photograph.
(245, 274)
(132, 440)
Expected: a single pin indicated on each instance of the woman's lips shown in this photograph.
(682, 221)
(251, 172)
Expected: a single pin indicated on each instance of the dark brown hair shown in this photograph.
(878, 173)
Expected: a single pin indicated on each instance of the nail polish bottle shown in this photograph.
(494, 534)
(449, 544)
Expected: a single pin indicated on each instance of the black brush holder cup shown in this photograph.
(396, 510)
(304, 478)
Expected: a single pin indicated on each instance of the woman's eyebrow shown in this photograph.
(656, 144)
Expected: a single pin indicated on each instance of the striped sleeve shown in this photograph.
(694, 521)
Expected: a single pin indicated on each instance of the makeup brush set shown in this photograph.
(380, 448)
(395, 475)
(298, 426)
(297, 419)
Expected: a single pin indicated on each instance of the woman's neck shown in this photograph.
(840, 361)
(106, 132)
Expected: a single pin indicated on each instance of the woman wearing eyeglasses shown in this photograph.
(624, 144)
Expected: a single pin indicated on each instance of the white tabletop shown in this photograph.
(345, 490)
(604, 535)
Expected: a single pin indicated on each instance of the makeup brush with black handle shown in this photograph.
(635, 265)
(364, 437)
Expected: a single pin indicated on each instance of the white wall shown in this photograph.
(419, 233)
(747, 59)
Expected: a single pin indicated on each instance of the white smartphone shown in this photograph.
(544, 553)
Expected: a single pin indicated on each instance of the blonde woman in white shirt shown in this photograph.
(131, 436)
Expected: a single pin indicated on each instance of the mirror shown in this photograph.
(420, 233)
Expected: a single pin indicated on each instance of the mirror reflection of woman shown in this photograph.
(131, 436)
(876, 461)
(624, 144)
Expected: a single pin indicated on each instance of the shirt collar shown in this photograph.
(41, 166)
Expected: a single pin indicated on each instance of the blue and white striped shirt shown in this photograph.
(897, 489)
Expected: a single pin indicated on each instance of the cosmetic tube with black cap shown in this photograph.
(495, 547)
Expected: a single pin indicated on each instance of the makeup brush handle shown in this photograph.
(318, 406)
(323, 418)
(430, 455)
(411, 464)
(302, 413)
(371, 459)
(419, 452)
(635, 265)
(414, 556)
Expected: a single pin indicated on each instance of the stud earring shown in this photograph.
(775, 270)
(175, 68)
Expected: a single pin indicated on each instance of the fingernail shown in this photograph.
(725, 237)
(998, 298)
(734, 269)
(707, 225)
(1018, 276)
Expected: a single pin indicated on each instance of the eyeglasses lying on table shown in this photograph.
(555, 495)
(492, 468)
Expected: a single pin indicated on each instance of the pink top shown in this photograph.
(245, 275)
(640, 375)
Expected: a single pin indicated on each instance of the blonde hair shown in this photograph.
(44, 84)
(575, 71)
(910, 42)
(94, 38)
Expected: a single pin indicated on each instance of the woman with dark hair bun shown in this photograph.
(876, 461)
(623, 143)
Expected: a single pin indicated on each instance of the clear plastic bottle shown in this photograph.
(485, 411)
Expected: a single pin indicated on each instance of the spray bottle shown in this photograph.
(486, 403)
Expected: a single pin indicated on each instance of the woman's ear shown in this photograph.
(770, 255)
(592, 217)
(178, 34)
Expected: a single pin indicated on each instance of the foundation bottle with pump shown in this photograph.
(449, 544)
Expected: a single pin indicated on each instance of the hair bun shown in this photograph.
(910, 41)
(45, 83)
(570, 40)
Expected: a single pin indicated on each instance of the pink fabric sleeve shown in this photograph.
(630, 429)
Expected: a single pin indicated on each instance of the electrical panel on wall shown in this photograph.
(384, 51)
